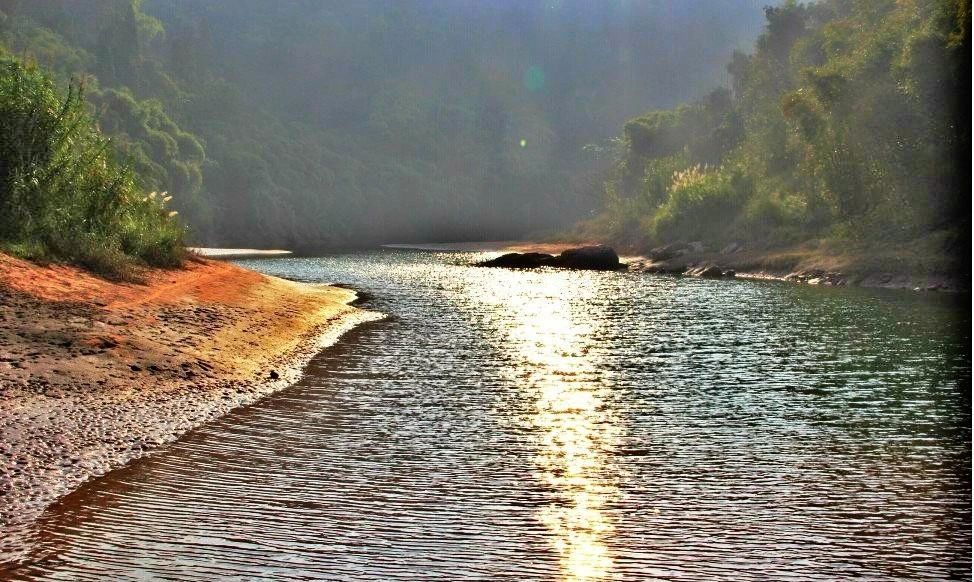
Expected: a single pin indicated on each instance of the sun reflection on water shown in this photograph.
(550, 332)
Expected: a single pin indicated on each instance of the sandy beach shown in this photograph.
(94, 374)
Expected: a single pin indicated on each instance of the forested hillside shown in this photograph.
(843, 123)
(306, 124)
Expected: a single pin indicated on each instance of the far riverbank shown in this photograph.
(916, 268)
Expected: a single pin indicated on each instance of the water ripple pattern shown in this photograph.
(554, 425)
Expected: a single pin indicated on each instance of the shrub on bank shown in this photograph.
(63, 195)
(700, 204)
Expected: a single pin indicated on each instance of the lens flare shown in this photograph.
(534, 79)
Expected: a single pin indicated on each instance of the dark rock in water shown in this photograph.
(663, 269)
(599, 257)
(706, 272)
(521, 261)
(711, 272)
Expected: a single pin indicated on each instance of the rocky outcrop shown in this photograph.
(737, 260)
(521, 261)
(597, 258)
(709, 271)
(818, 277)
(665, 253)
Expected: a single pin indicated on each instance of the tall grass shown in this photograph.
(63, 195)
(700, 204)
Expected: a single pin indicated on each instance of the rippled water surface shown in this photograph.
(565, 426)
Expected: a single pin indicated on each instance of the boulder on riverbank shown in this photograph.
(665, 252)
(709, 272)
(597, 258)
(522, 261)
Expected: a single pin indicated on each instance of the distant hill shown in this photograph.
(299, 123)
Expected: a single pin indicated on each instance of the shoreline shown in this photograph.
(799, 267)
(229, 254)
(800, 264)
(96, 374)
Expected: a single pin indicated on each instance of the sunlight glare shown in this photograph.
(550, 334)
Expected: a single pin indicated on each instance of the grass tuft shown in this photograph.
(63, 195)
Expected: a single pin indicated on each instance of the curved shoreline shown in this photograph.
(94, 375)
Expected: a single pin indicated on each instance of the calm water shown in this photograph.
(565, 426)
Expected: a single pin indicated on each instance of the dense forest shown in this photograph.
(308, 124)
(844, 124)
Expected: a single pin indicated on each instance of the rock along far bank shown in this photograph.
(94, 374)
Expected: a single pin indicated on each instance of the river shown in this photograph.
(556, 425)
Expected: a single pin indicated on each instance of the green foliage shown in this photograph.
(62, 194)
(46, 47)
(698, 204)
(309, 124)
(164, 156)
(843, 122)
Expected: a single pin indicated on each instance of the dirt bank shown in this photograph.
(94, 374)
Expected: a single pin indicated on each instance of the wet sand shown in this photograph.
(94, 374)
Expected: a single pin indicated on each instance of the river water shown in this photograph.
(555, 425)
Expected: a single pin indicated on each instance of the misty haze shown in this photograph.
(485, 289)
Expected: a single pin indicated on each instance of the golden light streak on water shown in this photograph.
(552, 342)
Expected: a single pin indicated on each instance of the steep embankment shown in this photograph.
(93, 374)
